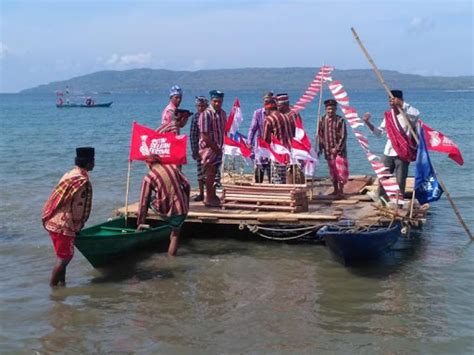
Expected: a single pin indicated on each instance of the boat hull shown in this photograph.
(353, 247)
(105, 243)
(105, 104)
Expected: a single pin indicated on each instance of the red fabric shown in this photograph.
(63, 245)
(230, 119)
(339, 169)
(404, 145)
(438, 142)
(169, 147)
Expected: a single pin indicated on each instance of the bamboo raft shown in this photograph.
(245, 204)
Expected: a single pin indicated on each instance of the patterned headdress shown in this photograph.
(201, 100)
(216, 94)
(175, 90)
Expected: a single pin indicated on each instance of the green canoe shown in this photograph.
(104, 243)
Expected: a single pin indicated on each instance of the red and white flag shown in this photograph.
(235, 118)
(301, 152)
(300, 134)
(145, 141)
(438, 142)
(265, 150)
(233, 148)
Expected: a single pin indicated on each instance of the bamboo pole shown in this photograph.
(385, 86)
(127, 190)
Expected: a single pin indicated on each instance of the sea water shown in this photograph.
(222, 295)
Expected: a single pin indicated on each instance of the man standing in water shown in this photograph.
(401, 147)
(176, 95)
(332, 138)
(67, 210)
(165, 190)
(212, 128)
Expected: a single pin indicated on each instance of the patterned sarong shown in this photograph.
(339, 169)
(63, 194)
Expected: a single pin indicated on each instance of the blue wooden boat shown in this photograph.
(65, 105)
(105, 243)
(352, 245)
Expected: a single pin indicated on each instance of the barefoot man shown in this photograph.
(332, 138)
(212, 126)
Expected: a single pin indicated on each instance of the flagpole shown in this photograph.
(385, 86)
(317, 127)
(127, 190)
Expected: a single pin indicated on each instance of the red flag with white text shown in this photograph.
(145, 141)
(438, 142)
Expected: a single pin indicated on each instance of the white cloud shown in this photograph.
(420, 24)
(4, 51)
(129, 59)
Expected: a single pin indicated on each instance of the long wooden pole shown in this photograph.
(127, 190)
(385, 86)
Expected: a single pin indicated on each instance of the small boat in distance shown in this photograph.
(63, 100)
(105, 104)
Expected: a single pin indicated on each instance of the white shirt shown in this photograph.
(412, 114)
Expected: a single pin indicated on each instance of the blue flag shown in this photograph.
(427, 187)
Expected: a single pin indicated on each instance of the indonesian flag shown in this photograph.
(278, 146)
(300, 134)
(234, 119)
(145, 141)
(301, 152)
(438, 142)
(233, 148)
(265, 150)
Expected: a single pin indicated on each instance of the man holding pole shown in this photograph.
(401, 147)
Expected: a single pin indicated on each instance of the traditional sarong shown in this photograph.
(211, 123)
(403, 143)
(332, 134)
(170, 127)
(339, 169)
(166, 190)
(69, 205)
(168, 113)
(282, 126)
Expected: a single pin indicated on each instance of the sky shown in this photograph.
(44, 41)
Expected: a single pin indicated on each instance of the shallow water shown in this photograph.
(223, 295)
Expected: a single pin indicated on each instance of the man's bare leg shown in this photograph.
(174, 239)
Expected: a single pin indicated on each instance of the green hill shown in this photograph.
(247, 79)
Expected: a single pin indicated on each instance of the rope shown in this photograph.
(255, 229)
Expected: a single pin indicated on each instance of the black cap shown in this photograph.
(330, 102)
(397, 93)
(85, 153)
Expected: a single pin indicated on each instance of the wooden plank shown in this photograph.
(264, 207)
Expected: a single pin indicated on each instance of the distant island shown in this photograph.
(246, 79)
